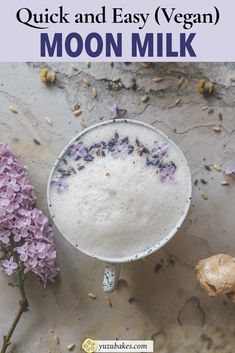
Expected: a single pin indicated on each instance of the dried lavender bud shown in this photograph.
(88, 158)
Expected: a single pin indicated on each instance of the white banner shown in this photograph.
(117, 30)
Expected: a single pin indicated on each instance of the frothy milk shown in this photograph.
(115, 200)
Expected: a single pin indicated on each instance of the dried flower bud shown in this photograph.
(47, 76)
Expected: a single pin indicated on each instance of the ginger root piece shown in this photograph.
(216, 275)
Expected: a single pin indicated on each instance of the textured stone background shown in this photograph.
(168, 304)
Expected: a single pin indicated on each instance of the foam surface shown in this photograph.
(117, 208)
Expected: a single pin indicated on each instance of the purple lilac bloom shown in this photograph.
(230, 171)
(5, 236)
(26, 239)
(120, 151)
(114, 111)
(159, 149)
(167, 174)
(9, 266)
(78, 150)
(38, 251)
(15, 190)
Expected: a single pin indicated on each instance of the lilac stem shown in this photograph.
(23, 308)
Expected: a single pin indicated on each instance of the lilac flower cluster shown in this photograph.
(26, 239)
(230, 171)
(118, 147)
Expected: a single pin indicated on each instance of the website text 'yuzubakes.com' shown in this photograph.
(90, 346)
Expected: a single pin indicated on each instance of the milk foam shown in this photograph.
(117, 208)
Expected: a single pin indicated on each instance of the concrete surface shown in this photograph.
(168, 303)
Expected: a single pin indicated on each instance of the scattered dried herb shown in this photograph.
(158, 267)
(74, 67)
(217, 129)
(158, 79)
(108, 301)
(77, 112)
(48, 120)
(132, 300)
(92, 295)
(145, 65)
(144, 98)
(178, 101)
(37, 142)
(86, 82)
(210, 111)
(232, 78)
(224, 183)
(71, 346)
(180, 82)
(116, 79)
(13, 109)
(204, 195)
(94, 92)
(217, 167)
(134, 84)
